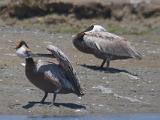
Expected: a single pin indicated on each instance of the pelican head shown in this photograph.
(22, 50)
(95, 28)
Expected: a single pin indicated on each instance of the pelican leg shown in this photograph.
(43, 99)
(108, 63)
(103, 63)
(54, 98)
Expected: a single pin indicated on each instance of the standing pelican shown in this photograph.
(104, 45)
(48, 76)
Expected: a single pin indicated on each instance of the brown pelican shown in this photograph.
(49, 76)
(104, 45)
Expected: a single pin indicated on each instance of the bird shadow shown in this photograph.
(31, 104)
(70, 105)
(67, 105)
(106, 70)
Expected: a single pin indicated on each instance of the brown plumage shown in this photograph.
(51, 77)
(104, 45)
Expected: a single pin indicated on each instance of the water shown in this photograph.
(106, 117)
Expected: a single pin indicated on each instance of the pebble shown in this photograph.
(100, 105)
(140, 98)
(78, 110)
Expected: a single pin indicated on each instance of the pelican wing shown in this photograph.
(109, 44)
(66, 66)
(53, 73)
(53, 78)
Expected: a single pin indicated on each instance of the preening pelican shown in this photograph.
(49, 76)
(104, 45)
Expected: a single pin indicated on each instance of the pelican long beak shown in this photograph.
(28, 50)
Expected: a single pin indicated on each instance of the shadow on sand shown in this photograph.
(68, 105)
(107, 70)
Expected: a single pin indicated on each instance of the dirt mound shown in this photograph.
(23, 9)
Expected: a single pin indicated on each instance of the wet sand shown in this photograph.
(129, 86)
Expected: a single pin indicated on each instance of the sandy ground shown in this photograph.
(130, 86)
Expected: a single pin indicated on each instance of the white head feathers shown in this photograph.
(98, 28)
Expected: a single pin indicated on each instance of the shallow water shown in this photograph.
(106, 117)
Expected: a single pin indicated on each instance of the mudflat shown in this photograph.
(128, 86)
